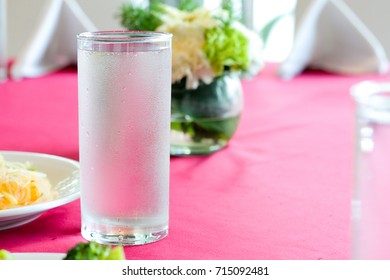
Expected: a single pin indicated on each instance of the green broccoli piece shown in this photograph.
(6, 255)
(116, 253)
(95, 251)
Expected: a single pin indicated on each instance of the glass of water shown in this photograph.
(371, 194)
(124, 87)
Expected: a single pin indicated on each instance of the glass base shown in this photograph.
(186, 150)
(129, 236)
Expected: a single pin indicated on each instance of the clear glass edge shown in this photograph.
(124, 36)
(368, 93)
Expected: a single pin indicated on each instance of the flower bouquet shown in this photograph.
(211, 51)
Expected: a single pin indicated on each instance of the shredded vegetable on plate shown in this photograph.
(21, 185)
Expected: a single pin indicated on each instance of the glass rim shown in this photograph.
(372, 93)
(124, 36)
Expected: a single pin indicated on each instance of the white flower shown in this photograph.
(188, 59)
(255, 49)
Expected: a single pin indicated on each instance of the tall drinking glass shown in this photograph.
(124, 84)
(371, 199)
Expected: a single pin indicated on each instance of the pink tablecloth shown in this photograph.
(281, 190)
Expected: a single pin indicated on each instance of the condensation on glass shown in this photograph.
(124, 87)
(370, 211)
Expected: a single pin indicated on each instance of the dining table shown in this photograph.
(280, 190)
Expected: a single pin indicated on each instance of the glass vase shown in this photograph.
(203, 120)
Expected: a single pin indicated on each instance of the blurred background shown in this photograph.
(24, 15)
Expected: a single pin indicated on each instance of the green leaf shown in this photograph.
(189, 5)
(222, 129)
(266, 30)
(227, 5)
(137, 18)
(201, 113)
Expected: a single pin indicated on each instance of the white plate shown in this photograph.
(63, 173)
(39, 256)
